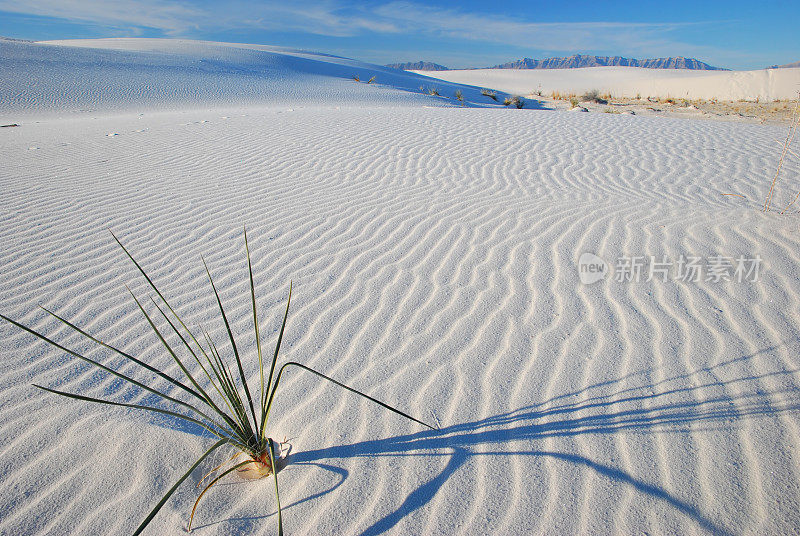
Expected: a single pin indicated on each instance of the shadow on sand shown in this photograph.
(667, 410)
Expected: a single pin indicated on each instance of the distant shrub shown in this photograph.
(459, 96)
(371, 80)
(593, 95)
(574, 101)
(507, 101)
(519, 102)
(356, 78)
(433, 91)
(489, 93)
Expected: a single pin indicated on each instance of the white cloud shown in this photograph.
(556, 36)
(340, 19)
(171, 17)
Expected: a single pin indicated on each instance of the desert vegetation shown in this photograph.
(489, 93)
(786, 150)
(593, 95)
(222, 402)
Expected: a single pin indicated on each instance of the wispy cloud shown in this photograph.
(174, 17)
(339, 18)
(562, 36)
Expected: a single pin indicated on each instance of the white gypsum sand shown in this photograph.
(764, 84)
(433, 250)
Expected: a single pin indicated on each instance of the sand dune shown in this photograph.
(765, 84)
(434, 255)
(160, 74)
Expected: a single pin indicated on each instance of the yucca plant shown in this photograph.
(225, 407)
(489, 93)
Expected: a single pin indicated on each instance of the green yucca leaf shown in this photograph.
(123, 354)
(235, 427)
(187, 345)
(270, 446)
(321, 375)
(136, 406)
(235, 350)
(255, 328)
(158, 292)
(224, 375)
(220, 374)
(110, 370)
(264, 405)
(204, 396)
(163, 500)
(217, 479)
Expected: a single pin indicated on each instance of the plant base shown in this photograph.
(260, 466)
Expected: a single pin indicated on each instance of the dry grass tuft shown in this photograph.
(489, 93)
(786, 150)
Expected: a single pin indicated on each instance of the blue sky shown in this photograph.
(732, 34)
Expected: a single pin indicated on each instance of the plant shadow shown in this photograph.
(649, 408)
(667, 410)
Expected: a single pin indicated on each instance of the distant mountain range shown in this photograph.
(785, 66)
(582, 60)
(577, 61)
(418, 66)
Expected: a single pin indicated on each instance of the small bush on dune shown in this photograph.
(516, 101)
(459, 96)
(356, 78)
(489, 93)
(593, 96)
(574, 101)
(225, 407)
(371, 80)
(433, 92)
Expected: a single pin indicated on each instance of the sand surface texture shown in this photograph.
(434, 255)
